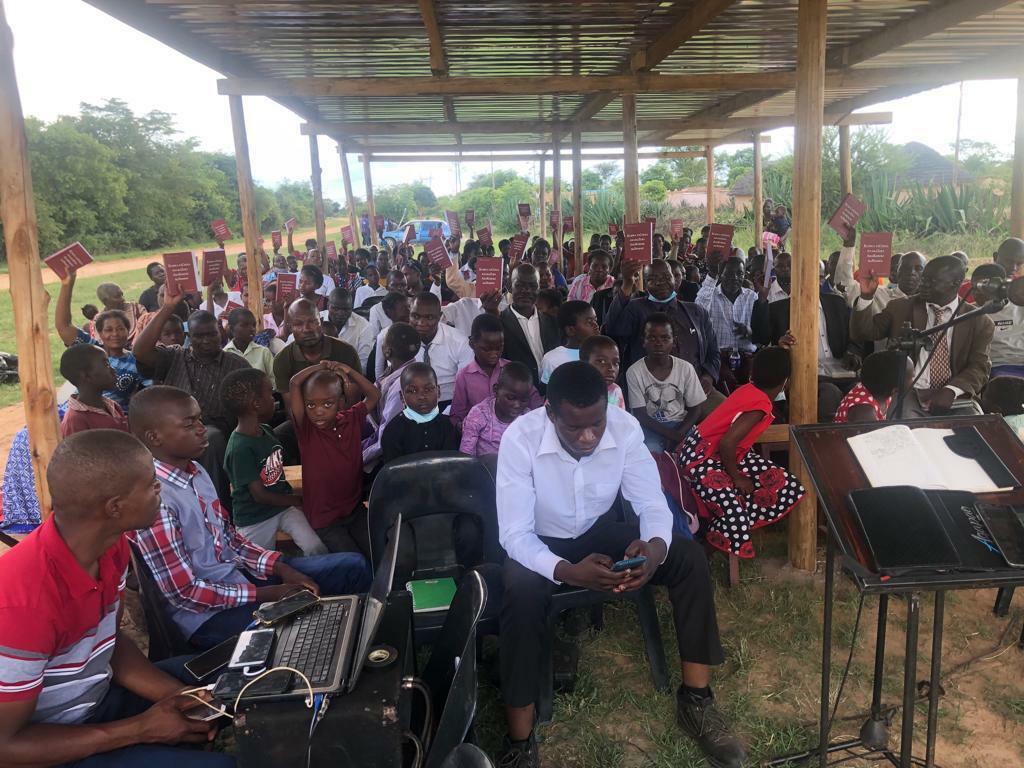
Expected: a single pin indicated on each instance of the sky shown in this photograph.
(67, 52)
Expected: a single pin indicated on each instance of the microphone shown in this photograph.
(1001, 290)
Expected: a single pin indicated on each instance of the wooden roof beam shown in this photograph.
(462, 158)
(938, 16)
(645, 59)
(528, 146)
(438, 58)
(1005, 63)
(434, 128)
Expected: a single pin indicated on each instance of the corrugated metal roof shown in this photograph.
(359, 39)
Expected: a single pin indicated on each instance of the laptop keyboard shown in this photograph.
(313, 640)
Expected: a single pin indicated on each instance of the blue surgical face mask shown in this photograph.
(666, 300)
(421, 418)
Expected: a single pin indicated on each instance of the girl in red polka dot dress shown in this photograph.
(870, 397)
(737, 490)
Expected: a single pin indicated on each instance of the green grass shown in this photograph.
(132, 283)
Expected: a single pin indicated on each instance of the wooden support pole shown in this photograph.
(542, 223)
(577, 196)
(350, 200)
(371, 211)
(758, 193)
(250, 227)
(30, 301)
(845, 161)
(630, 163)
(804, 302)
(709, 160)
(556, 193)
(1017, 191)
(318, 193)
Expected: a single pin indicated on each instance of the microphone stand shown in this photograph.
(910, 341)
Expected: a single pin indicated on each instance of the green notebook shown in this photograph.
(431, 594)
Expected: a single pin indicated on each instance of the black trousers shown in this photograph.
(527, 598)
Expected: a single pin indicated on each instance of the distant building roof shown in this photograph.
(926, 166)
(743, 186)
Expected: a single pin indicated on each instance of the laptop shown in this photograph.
(1007, 530)
(329, 643)
(903, 530)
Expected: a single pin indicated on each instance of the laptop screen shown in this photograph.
(374, 607)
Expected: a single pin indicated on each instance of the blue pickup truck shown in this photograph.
(421, 231)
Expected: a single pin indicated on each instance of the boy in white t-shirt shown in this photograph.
(576, 321)
(664, 391)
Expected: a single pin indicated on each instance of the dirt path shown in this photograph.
(98, 268)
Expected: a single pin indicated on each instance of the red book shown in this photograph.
(516, 249)
(676, 227)
(569, 224)
(67, 258)
(230, 306)
(470, 218)
(453, 223)
(524, 222)
(181, 271)
(524, 210)
(720, 239)
(287, 287)
(215, 266)
(637, 246)
(410, 234)
(613, 229)
(876, 253)
(275, 238)
(290, 224)
(347, 236)
(484, 236)
(220, 230)
(489, 272)
(378, 222)
(847, 215)
(437, 254)
(332, 250)
(554, 219)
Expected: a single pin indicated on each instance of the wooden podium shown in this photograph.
(834, 473)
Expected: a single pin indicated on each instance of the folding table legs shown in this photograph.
(934, 686)
(824, 724)
(910, 680)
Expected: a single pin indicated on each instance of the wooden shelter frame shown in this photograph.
(433, 80)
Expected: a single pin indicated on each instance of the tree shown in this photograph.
(423, 196)
(729, 166)
(607, 171)
(653, 190)
(590, 180)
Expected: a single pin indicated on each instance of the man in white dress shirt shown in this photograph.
(560, 470)
(352, 329)
(444, 348)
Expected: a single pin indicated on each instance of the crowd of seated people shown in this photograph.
(574, 380)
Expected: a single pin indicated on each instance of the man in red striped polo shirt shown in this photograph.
(73, 688)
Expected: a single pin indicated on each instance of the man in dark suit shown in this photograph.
(694, 337)
(838, 357)
(960, 364)
(528, 333)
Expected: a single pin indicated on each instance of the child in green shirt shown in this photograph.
(263, 502)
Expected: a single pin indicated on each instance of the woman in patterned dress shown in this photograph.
(736, 489)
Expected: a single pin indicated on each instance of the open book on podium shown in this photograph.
(955, 459)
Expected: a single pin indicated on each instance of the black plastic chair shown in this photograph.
(165, 639)
(437, 493)
(467, 756)
(567, 598)
(450, 674)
